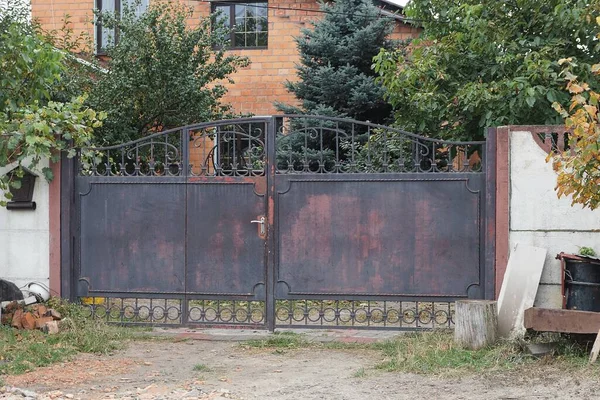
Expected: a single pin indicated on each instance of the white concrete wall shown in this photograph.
(539, 218)
(24, 239)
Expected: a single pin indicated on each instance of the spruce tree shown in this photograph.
(336, 78)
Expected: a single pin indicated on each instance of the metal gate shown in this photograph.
(281, 221)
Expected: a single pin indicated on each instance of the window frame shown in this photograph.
(118, 6)
(98, 47)
(231, 4)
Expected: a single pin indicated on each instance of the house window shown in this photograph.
(106, 36)
(247, 22)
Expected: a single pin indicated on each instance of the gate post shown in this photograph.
(68, 168)
(490, 161)
(270, 264)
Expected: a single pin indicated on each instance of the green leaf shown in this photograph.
(48, 174)
(530, 101)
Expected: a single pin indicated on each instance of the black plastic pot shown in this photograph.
(582, 285)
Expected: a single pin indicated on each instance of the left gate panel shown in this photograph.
(132, 236)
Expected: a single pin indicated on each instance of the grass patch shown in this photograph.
(279, 340)
(360, 373)
(202, 368)
(436, 353)
(22, 351)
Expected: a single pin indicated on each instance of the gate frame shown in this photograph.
(69, 228)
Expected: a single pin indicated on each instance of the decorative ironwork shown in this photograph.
(304, 144)
(313, 144)
(157, 155)
(366, 314)
(289, 313)
(226, 312)
(235, 149)
(134, 311)
(551, 139)
(222, 148)
(157, 311)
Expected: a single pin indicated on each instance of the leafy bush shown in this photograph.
(163, 73)
(482, 63)
(32, 126)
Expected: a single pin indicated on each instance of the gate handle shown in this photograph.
(260, 221)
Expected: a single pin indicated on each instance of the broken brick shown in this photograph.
(16, 319)
(54, 314)
(28, 321)
(51, 328)
(6, 318)
(41, 310)
(40, 322)
(12, 306)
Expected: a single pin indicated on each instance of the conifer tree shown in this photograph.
(336, 55)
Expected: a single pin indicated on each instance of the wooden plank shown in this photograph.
(564, 321)
(595, 349)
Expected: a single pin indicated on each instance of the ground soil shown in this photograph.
(165, 370)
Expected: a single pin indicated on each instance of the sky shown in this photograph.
(399, 2)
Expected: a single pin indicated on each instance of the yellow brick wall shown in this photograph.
(257, 86)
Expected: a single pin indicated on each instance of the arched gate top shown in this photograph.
(302, 144)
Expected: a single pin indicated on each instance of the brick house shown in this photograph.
(269, 43)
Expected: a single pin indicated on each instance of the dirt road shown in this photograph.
(161, 370)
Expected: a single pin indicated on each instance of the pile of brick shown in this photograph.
(36, 316)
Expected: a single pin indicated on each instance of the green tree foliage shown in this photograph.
(32, 126)
(483, 63)
(163, 73)
(335, 74)
(335, 79)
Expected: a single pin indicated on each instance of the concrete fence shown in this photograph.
(529, 211)
(27, 247)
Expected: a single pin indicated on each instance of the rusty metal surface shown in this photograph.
(225, 253)
(132, 236)
(392, 236)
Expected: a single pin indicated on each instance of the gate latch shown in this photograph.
(260, 221)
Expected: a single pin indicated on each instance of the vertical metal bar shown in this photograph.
(385, 151)
(353, 166)
(108, 164)
(123, 168)
(269, 243)
(321, 158)
(305, 161)
(185, 148)
(369, 149)
(337, 147)
(166, 163)
(183, 302)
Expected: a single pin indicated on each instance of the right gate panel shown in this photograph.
(375, 227)
(392, 236)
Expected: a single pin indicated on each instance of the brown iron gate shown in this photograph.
(281, 221)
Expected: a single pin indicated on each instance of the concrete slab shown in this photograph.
(519, 288)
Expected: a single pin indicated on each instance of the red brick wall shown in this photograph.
(50, 14)
(257, 86)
